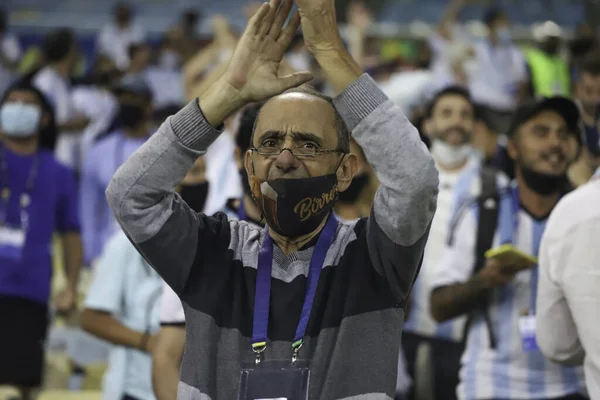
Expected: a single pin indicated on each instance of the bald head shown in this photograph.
(304, 110)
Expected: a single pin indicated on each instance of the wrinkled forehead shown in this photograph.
(297, 113)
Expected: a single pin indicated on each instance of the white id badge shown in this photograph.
(527, 331)
(12, 241)
(274, 380)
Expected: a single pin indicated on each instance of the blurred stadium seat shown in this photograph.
(157, 15)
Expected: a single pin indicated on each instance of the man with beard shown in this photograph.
(501, 359)
(449, 124)
(308, 307)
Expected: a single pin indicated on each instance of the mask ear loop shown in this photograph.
(336, 170)
(262, 214)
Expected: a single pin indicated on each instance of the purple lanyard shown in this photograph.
(263, 288)
(241, 212)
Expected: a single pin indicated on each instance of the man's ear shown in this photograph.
(346, 171)
(249, 166)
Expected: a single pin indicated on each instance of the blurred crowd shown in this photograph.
(84, 306)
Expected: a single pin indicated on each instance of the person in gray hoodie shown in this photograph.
(244, 289)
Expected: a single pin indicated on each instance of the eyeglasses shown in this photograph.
(301, 151)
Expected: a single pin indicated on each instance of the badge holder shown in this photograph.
(12, 239)
(274, 379)
(527, 332)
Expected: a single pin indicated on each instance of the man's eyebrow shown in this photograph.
(297, 136)
(270, 135)
(307, 137)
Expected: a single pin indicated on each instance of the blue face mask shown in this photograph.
(19, 120)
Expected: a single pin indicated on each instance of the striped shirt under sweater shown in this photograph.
(353, 335)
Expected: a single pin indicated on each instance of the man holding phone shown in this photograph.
(498, 291)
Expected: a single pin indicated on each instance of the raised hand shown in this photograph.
(322, 39)
(252, 71)
(319, 26)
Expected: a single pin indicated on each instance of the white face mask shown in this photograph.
(19, 120)
(450, 156)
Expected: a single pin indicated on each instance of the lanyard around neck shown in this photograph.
(263, 288)
(241, 211)
(25, 199)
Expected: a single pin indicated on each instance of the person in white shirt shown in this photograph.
(115, 38)
(449, 124)
(94, 99)
(447, 34)
(122, 307)
(61, 56)
(105, 157)
(10, 54)
(568, 298)
(124, 303)
(501, 70)
(501, 359)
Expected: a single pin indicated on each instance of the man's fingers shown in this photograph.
(267, 21)
(294, 80)
(287, 35)
(255, 22)
(282, 15)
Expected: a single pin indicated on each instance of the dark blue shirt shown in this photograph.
(53, 208)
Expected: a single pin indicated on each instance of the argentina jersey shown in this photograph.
(454, 187)
(506, 372)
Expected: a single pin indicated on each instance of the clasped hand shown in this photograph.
(254, 71)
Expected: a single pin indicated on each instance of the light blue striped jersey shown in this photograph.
(507, 372)
(454, 189)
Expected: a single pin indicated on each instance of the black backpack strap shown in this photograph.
(488, 204)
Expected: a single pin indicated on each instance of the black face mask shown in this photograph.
(131, 116)
(296, 207)
(195, 195)
(542, 184)
(355, 189)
